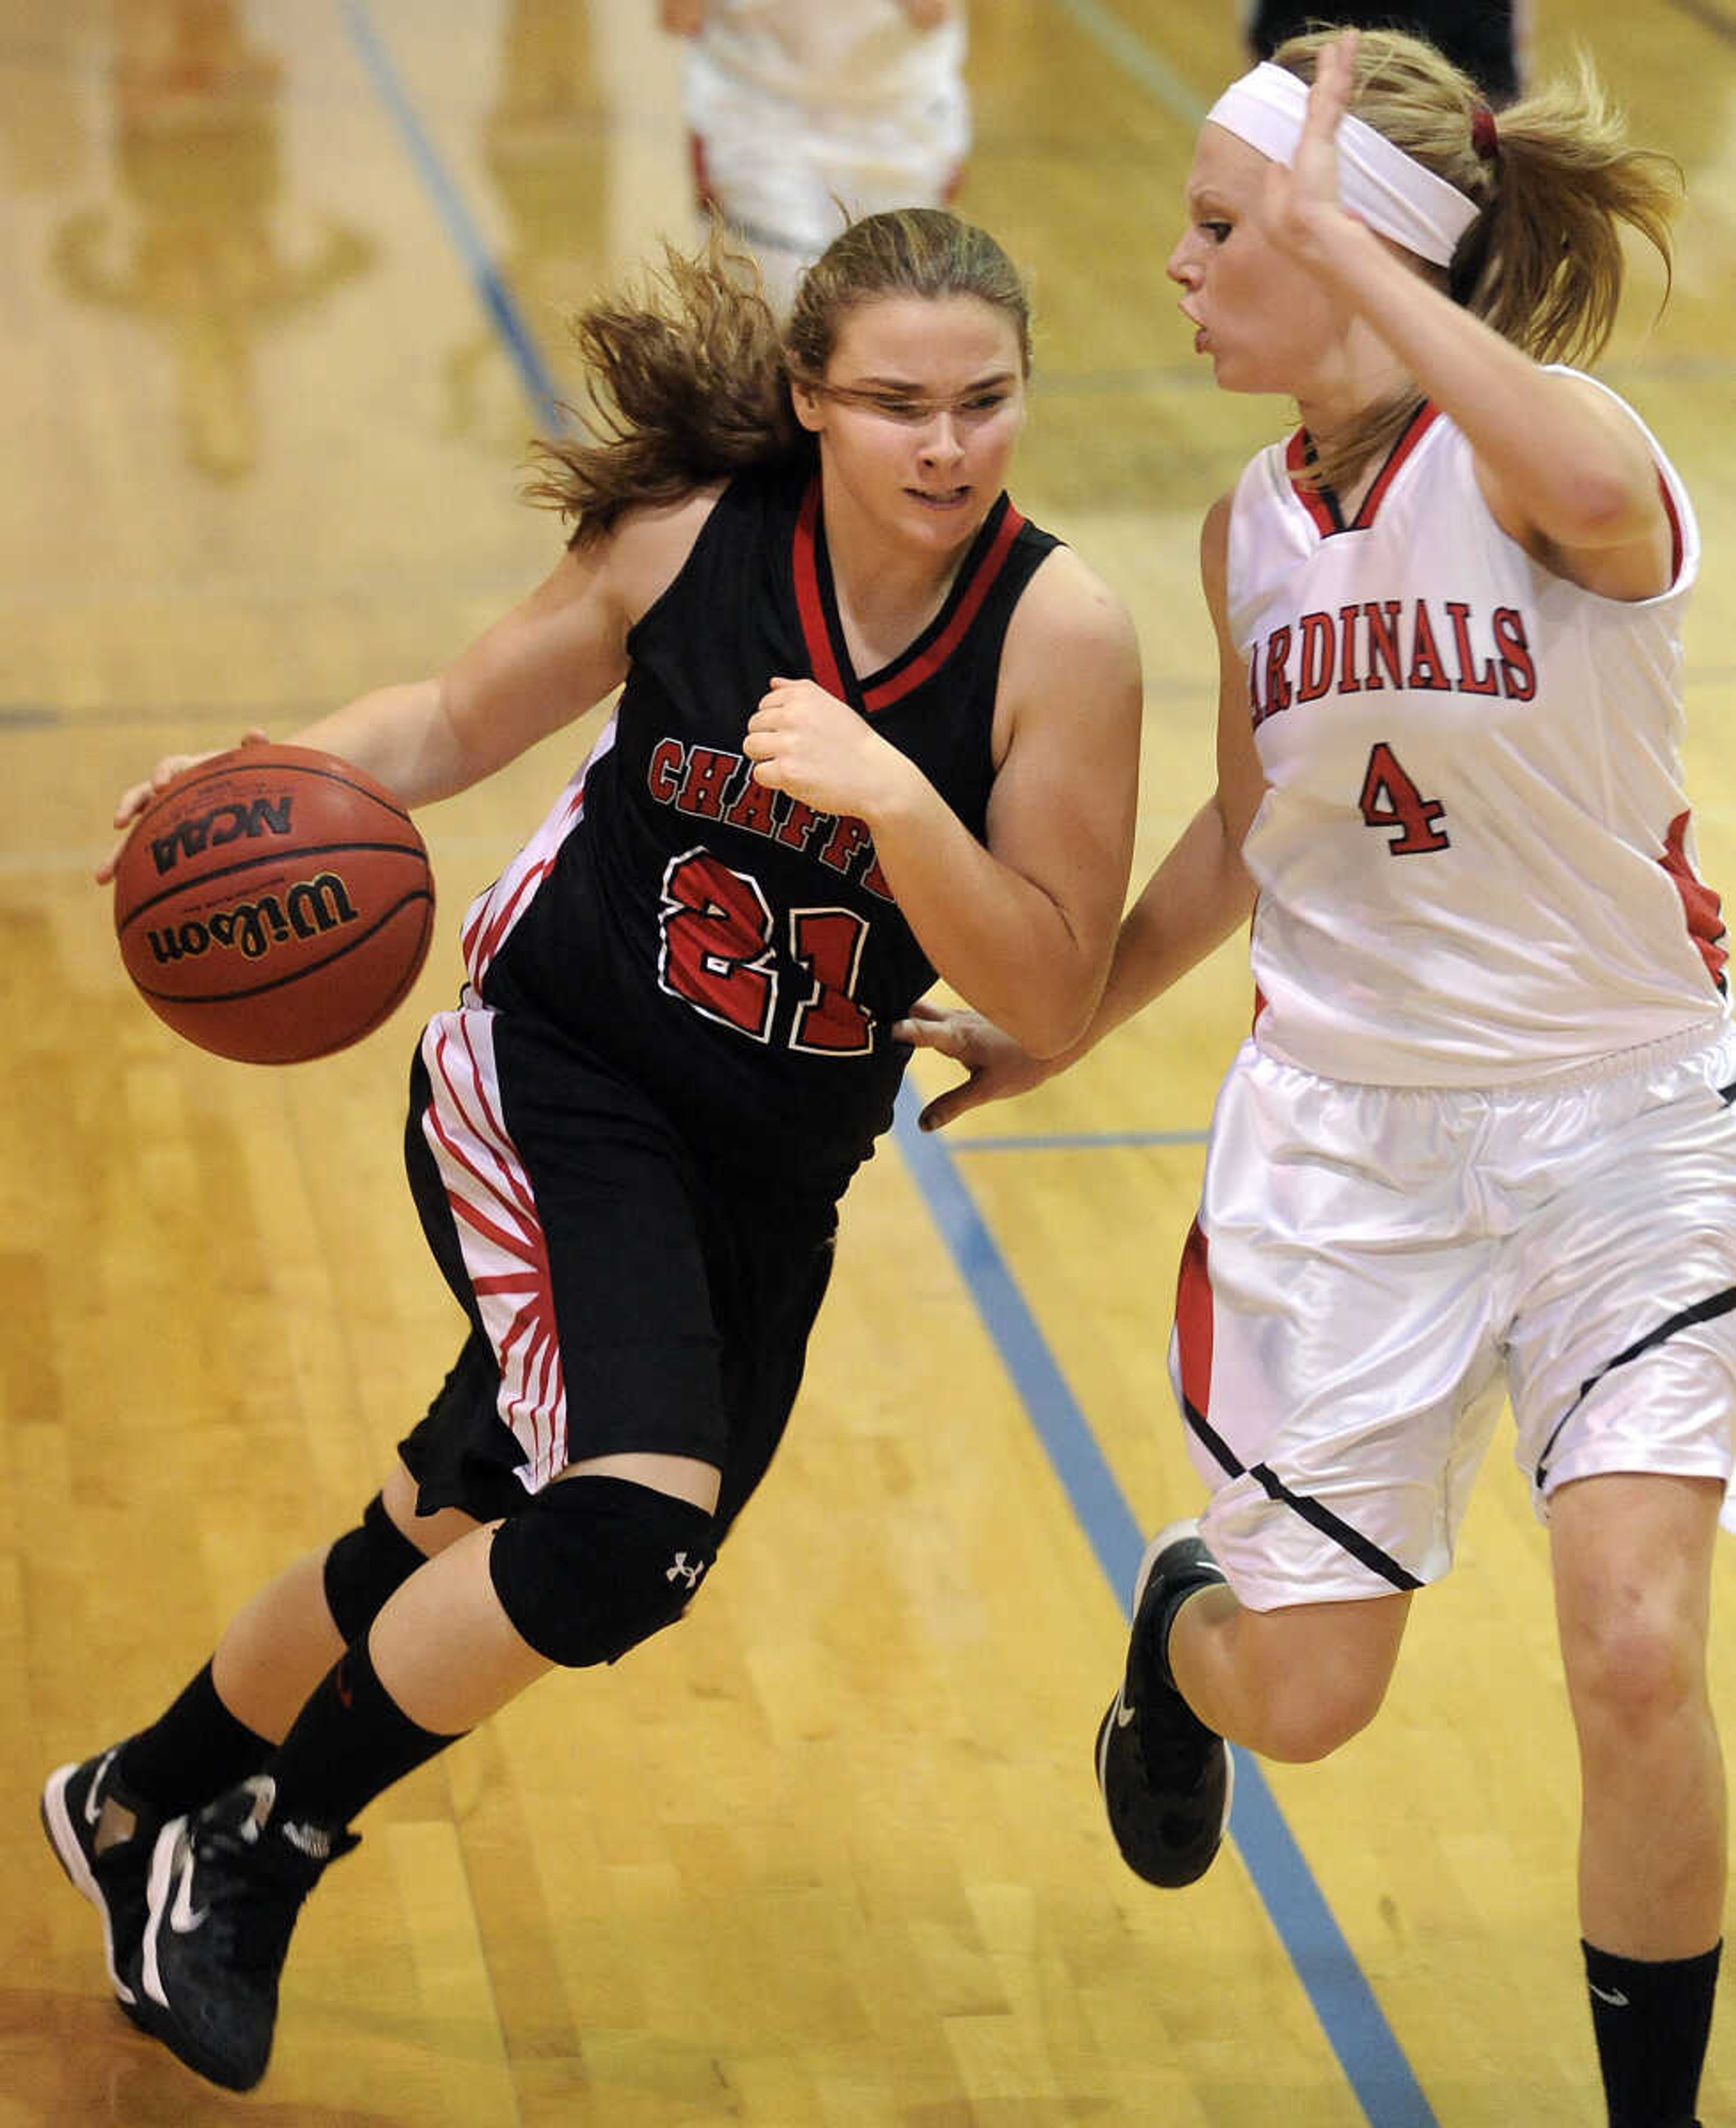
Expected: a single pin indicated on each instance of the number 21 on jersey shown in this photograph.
(718, 957)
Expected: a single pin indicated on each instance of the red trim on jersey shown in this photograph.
(1322, 506)
(1194, 1323)
(1700, 905)
(492, 916)
(1421, 422)
(1676, 539)
(500, 1235)
(964, 601)
(930, 660)
(1313, 499)
(481, 941)
(804, 561)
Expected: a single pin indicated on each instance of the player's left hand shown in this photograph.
(995, 1066)
(804, 741)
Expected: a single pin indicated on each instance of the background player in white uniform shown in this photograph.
(800, 113)
(871, 725)
(1482, 1136)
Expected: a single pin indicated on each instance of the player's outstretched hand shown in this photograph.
(133, 801)
(1299, 202)
(995, 1066)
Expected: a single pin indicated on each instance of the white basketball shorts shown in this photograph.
(1374, 1266)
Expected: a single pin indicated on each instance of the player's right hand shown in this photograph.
(994, 1064)
(134, 800)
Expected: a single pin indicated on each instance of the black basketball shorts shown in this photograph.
(622, 1295)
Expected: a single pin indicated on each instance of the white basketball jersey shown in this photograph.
(1476, 858)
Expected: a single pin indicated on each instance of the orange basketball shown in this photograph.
(273, 904)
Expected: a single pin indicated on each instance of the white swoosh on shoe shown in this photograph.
(164, 1862)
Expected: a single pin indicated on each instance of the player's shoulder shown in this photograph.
(1070, 638)
(1068, 602)
(645, 549)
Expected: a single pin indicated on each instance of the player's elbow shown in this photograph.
(1047, 1023)
(1603, 507)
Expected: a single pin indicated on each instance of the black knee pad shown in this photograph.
(590, 1567)
(364, 1566)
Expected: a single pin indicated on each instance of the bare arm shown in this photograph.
(1565, 472)
(553, 657)
(1200, 891)
(1197, 895)
(1022, 923)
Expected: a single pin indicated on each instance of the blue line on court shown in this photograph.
(1077, 1140)
(493, 293)
(1131, 53)
(1352, 2019)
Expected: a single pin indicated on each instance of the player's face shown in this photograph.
(1265, 324)
(917, 414)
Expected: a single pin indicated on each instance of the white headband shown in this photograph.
(1378, 183)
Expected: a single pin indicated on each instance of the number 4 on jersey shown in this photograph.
(1390, 799)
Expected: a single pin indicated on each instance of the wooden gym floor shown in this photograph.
(279, 295)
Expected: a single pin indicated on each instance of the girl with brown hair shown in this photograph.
(873, 727)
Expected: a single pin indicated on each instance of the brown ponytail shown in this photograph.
(684, 385)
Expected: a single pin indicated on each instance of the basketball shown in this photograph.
(273, 904)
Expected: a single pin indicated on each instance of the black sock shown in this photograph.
(192, 1752)
(351, 1740)
(1652, 2018)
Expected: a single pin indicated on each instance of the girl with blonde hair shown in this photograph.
(1482, 1136)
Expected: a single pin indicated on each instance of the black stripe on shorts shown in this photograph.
(1322, 1518)
(1699, 1311)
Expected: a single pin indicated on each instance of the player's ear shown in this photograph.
(809, 404)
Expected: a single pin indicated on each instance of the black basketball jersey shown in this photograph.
(737, 956)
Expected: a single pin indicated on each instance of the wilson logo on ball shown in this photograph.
(226, 823)
(273, 903)
(253, 928)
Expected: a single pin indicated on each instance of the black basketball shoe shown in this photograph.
(1166, 1777)
(225, 1887)
(112, 1875)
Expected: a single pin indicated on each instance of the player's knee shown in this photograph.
(590, 1566)
(364, 1567)
(1635, 1674)
(1309, 1715)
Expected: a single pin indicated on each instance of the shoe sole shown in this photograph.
(57, 1823)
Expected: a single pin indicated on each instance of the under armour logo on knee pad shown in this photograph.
(682, 1571)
